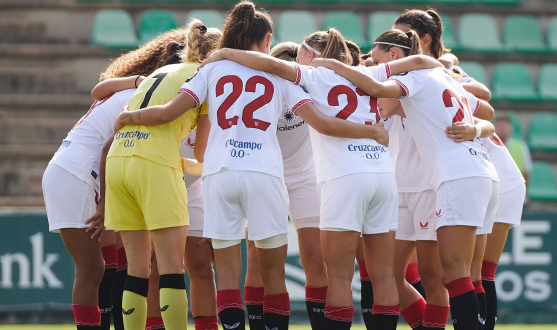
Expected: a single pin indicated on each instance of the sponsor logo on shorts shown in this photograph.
(424, 225)
(438, 213)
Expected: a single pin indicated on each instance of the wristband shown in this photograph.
(136, 80)
(478, 130)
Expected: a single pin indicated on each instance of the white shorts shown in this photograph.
(195, 209)
(234, 197)
(416, 216)
(362, 202)
(304, 202)
(467, 202)
(510, 206)
(69, 200)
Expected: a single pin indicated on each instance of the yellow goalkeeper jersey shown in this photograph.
(161, 143)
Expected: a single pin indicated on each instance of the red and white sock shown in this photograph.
(86, 317)
(154, 323)
(206, 323)
(276, 311)
(435, 317)
(414, 314)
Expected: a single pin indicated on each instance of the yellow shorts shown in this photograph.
(144, 195)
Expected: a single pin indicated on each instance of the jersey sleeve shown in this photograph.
(204, 109)
(305, 76)
(381, 72)
(409, 81)
(295, 96)
(196, 86)
(473, 103)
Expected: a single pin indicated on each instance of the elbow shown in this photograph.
(487, 95)
(199, 155)
(96, 95)
(325, 128)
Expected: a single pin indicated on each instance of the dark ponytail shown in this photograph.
(331, 44)
(426, 22)
(245, 26)
(408, 42)
(355, 52)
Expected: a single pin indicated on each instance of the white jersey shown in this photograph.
(412, 174)
(335, 96)
(393, 125)
(295, 145)
(508, 171)
(244, 109)
(434, 101)
(80, 152)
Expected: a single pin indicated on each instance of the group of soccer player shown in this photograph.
(386, 159)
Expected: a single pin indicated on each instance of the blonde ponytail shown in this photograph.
(331, 44)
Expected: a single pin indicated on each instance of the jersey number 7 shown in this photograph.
(250, 108)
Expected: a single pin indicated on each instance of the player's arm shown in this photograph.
(97, 221)
(477, 89)
(201, 137)
(341, 128)
(461, 132)
(257, 61)
(113, 85)
(390, 107)
(449, 60)
(157, 115)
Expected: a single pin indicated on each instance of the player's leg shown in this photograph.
(509, 214)
(311, 257)
(110, 256)
(134, 301)
(154, 318)
(413, 275)
(366, 302)
(203, 292)
(339, 251)
(380, 224)
(412, 303)
(69, 203)
(494, 248)
(479, 250)
(117, 289)
(225, 225)
(456, 237)
(436, 311)
(170, 245)
(253, 289)
(89, 268)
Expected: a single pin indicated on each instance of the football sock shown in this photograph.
(87, 317)
(276, 311)
(414, 314)
(117, 290)
(385, 317)
(315, 304)
(366, 301)
(154, 323)
(110, 256)
(435, 317)
(254, 304)
(482, 303)
(134, 303)
(206, 323)
(464, 304)
(338, 317)
(231, 309)
(173, 301)
(488, 281)
(413, 277)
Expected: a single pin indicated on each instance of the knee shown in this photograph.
(199, 271)
(430, 277)
(91, 272)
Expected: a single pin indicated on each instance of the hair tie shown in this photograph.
(202, 29)
(311, 48)
(388, 43)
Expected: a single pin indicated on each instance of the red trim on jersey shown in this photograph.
(403, 86)
(299, 104)
(477, 106)
(388, 68)
(192, 94)
(298, 75)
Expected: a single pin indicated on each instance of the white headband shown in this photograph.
(388, 43)
(311, 48)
